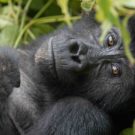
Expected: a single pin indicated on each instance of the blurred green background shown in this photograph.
(23, 20)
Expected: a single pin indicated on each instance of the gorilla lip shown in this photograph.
(52, 56)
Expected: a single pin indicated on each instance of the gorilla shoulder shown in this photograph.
(9, 79)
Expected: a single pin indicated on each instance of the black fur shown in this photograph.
(9, 78)
(74, 116)
(73, 57)
(67, 83)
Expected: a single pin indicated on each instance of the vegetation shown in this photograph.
(23, 20)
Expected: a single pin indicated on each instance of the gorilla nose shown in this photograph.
(78, 48)
(78, 51)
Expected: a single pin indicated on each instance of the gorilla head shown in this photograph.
(79, 65)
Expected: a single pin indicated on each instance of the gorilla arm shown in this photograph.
(9, 78)
(73, 116)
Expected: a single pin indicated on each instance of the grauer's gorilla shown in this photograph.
(9, 78)
(76, 84)
(92, 84)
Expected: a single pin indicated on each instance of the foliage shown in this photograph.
(23, 20)
(128, 131)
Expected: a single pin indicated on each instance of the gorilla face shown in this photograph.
(101, 73)
(70, 54)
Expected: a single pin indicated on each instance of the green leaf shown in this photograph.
(87, 5)
(129, 3)
(64, 7)
(128, 131)
(106, 26)
(4, 1)
(105, 6)
(5, 22)
(8, 35)
(41, 29)
(35, 5)
(74, 7)
(126, 39)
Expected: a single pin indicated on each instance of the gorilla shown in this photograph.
(71, 84)
(92, 84)
(9, 78)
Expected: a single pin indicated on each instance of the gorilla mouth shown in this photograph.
(52, 57)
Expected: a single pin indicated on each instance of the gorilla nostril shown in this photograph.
(76, 59)
(78, 52)
(74, 48)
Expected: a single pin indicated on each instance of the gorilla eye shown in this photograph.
(111, 40)
(116, 70)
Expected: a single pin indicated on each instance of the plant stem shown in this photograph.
(42, 10)
(31, 34)
(24, 14)
(51, 19)
(19, 3)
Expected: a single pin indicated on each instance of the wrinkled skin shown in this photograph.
(73, 84)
